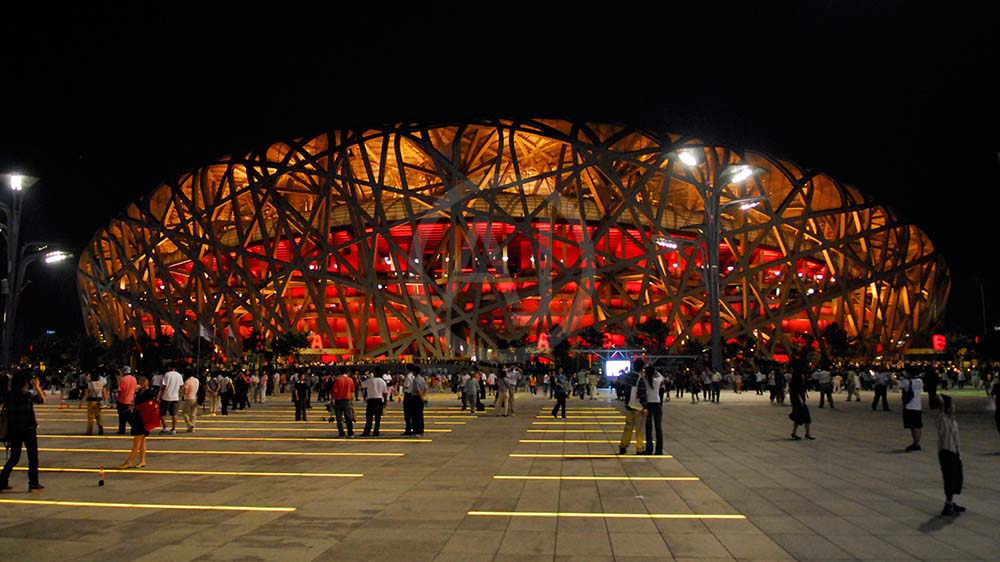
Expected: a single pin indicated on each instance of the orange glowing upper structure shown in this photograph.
(455, 239)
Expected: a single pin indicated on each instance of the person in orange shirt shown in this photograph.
(343, 393)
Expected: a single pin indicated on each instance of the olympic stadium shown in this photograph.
(455, 239)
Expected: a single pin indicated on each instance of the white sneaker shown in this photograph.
(173, 432)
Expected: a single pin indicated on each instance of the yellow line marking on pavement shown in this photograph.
(150, 505)
(584, 417)
(253, 453)
(571, 430)
(608, 515)
(569, 441)
(332, 428)
(576, 423)
(588, 456)
(193, 438)
(202, 472)
(632, 478)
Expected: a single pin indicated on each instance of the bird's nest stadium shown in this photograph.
(456, 239)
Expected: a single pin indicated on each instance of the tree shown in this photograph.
(653, 333)
(836, 341)
(289, 344)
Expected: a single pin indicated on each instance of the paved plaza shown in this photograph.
(257, 485)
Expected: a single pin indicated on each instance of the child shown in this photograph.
(948, 456)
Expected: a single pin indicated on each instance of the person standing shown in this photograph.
(190, 393)
(824, 381)
(881, 388)
(95, 396)
(471, 393)
(144, 393)
(414, 394)
(126, 396)
(170, 396)
(212, 393)
(949, 457)
(995, 396)
(715, 382)
(911, 387)
(654, 410)
(22, 428)
(376, 395)
(343, 393)
(226, 389)
(560, 389)
(262, 384)
(635, 412)
(300, 396)
(800, 410)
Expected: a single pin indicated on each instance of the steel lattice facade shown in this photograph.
(446, 240)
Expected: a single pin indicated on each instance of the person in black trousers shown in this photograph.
(559, 392)
(654, 411)
(22, 428)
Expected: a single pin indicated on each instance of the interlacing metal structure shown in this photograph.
(456, 239)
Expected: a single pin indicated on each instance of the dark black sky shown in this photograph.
(896, 98)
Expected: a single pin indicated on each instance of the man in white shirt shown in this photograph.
(376, 395)
(910, 387)
(824, 382)
(170, 395)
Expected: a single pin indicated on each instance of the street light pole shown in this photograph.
(18, 258)
(711, 194)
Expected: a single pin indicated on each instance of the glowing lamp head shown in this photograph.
(688, 158)
(57, 256)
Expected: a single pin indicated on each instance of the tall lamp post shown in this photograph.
(711, 194)
(18, 258)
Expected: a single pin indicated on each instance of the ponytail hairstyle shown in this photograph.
(649, 372)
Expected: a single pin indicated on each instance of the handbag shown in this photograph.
(149, 412)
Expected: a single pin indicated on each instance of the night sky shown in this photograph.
(894, 98)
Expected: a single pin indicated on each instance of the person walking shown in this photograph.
(949, 457)
(376, 395)
(800, 410)
(189, 391)
(22, 427)
(635, 411)
(853, 384)
(654, 411)
(911, 387)
(170, 397)
(144, 393)
(125, 397)
(94, 396)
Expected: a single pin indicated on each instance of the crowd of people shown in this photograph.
(149, 401)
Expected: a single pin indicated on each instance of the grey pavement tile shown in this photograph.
(638, 544)
(868, 547)
(482, 542)
(809, 547)
(928, 547)
(695, 545)
(753, 546)
(778, 524)
(513, 557)
(528, 542)
(581, 544)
